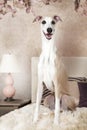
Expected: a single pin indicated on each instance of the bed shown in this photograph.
(22, 119)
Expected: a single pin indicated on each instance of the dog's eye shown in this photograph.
(53, 22)
(43, 22)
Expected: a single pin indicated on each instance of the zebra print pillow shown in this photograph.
(48, 99)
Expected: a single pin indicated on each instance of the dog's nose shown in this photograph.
(49, 30)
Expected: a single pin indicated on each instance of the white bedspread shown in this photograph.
(21, 119)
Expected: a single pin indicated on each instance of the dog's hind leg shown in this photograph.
(69, 102)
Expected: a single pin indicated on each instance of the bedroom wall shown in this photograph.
(21, 37)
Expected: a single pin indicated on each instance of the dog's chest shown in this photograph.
(48, 69)
(48, 74)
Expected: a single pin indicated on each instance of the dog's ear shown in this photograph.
(38, 18)
(57, 18)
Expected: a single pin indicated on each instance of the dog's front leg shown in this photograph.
(57, 103)
(38, 100)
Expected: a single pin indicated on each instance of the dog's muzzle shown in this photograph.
(49, 34)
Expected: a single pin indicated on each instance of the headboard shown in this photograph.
(75, 67)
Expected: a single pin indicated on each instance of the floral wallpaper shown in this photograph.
(12, 6)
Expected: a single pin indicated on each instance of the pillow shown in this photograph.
(83, 94)
(49, 101)
(47, 98)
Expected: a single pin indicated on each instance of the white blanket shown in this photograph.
(21, 119)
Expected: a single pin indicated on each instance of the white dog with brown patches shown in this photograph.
(51, 71)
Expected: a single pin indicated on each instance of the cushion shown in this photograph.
(83, 94)
(47, 98)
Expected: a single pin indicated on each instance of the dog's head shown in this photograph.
(48, 25)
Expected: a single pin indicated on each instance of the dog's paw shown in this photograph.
(56, 121)
(35, 119)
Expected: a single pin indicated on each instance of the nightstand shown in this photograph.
(6, 107)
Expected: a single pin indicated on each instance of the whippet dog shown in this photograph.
(51, 71)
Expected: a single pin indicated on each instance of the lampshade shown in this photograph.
(9, 64)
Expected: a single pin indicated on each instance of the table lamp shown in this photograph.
(9, 65)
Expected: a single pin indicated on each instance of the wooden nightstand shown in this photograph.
(6, 107)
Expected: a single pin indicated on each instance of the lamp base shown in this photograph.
(9, 99)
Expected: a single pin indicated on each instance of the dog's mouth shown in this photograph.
(48, 35)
